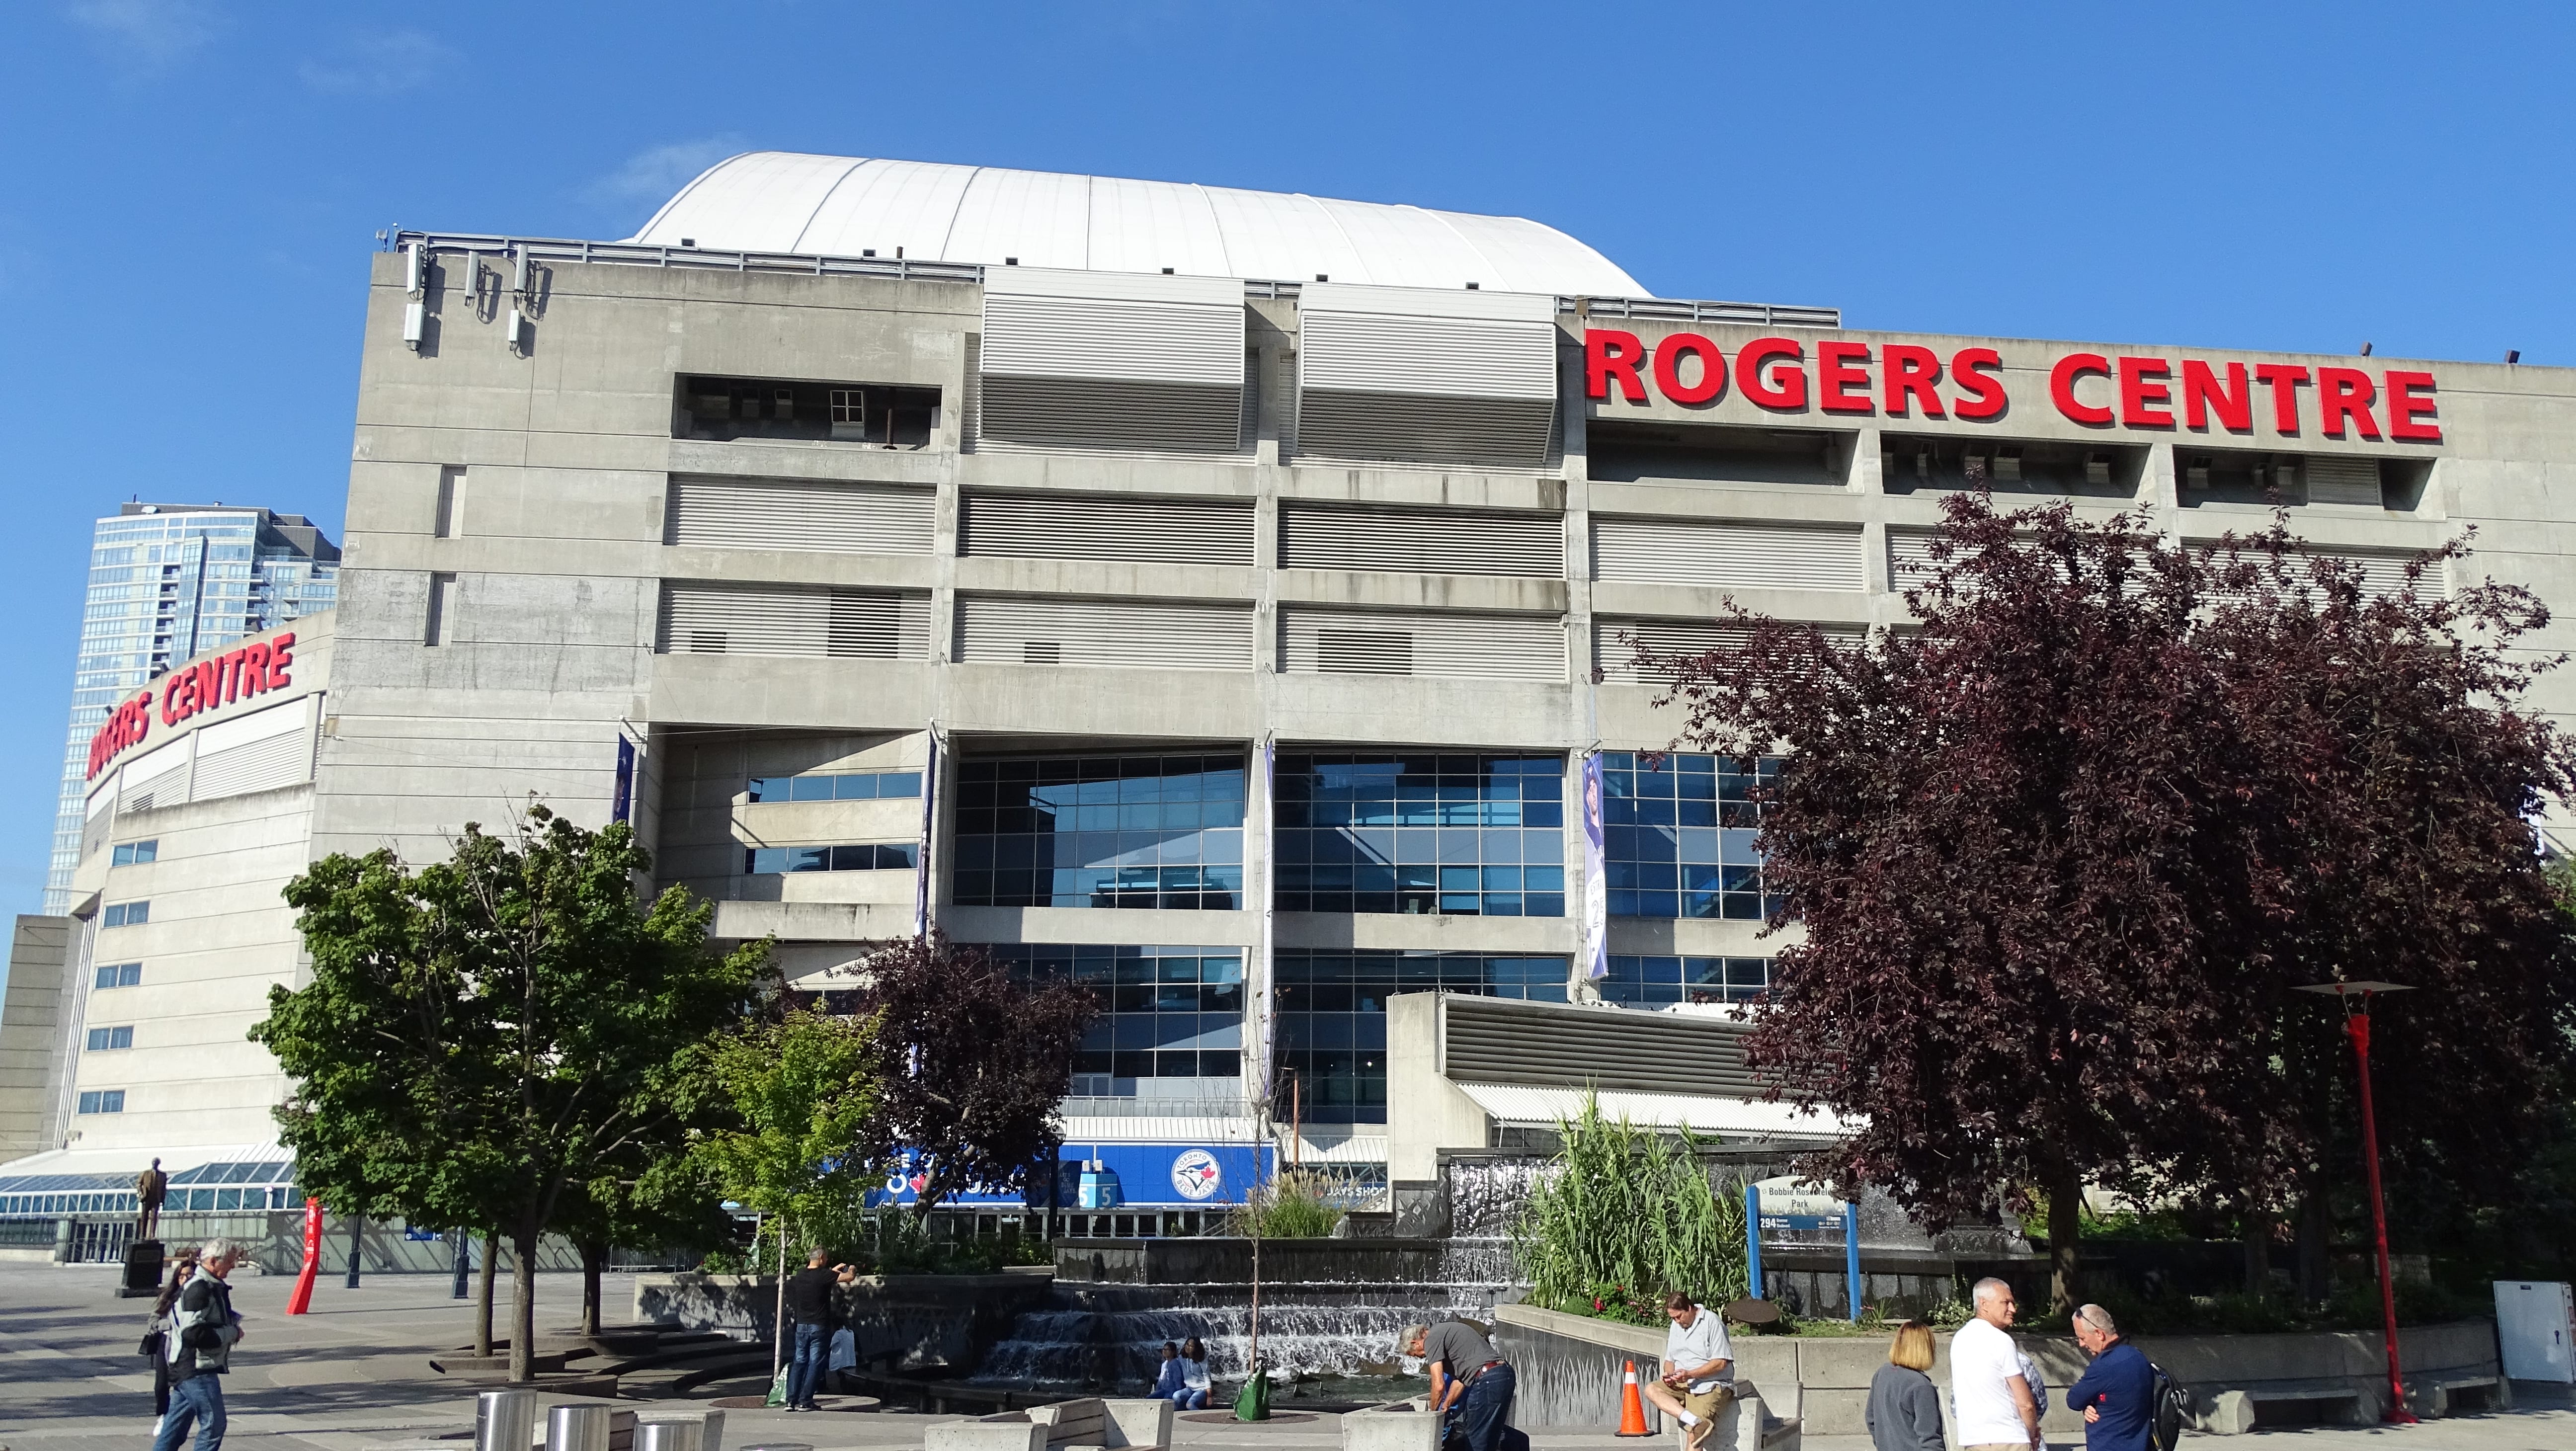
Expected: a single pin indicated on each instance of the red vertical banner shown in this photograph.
(302, 1299)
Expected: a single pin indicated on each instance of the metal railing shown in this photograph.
(1674, 309)
(903, 269)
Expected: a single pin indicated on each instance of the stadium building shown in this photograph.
(1217, 597)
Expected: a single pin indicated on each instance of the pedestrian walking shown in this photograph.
(1167, 1376)
(1193, 1394)
(203, 1331)
(156, 1332)
(1904, 1410)
(2117, 1392)
(1698, 1382)
(1990, 1399)
(809, 1311)
(1471, 1386)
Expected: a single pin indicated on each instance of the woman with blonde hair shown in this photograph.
(1904, 1411)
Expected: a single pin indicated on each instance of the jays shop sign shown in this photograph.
(2127, 393)
(1179, 1176)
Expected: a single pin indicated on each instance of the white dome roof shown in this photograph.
(784, 201)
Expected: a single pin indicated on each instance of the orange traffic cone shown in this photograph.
(1632, 1406)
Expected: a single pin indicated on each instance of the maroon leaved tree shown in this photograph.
(2060, 853)
(972, 1065)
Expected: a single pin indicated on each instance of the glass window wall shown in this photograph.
(1476, 835)
(1678, 836)
(1101, 831)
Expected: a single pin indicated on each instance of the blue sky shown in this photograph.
(193, 184)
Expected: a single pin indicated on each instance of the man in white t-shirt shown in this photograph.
(1990, 1398)
(1698, 1382)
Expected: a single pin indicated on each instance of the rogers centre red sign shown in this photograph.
(254, 669)
(1905, 380)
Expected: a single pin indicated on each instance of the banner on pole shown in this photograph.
(1596, 879)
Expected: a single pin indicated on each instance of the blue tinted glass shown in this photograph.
(856, 786)
(810, 788)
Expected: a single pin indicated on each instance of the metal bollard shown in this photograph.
(578, 1428)
(670, 1436)
(506, 1420)
(714, 1439)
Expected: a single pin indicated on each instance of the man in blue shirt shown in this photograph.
(2117, 1393)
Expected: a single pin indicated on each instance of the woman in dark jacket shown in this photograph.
(1904, 1412)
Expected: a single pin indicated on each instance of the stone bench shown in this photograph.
(1750, 1410)
(2450, 1395)
(1089, 1424)
(2235, 1412)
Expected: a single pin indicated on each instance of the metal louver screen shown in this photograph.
(2334, 480)
(1116, 633)
(161, 788)
(1090, 360)
(1909, 557)
(2383, 575)
(1494, 1040)
(794, 621)
(1425, 644)
(1409, 376)
(1725, 554)
(261, 765)
(798, 514)
(1128, 529)
(1616, 654)
(1429, 541)
(102, 816)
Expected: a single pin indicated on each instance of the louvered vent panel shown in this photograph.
(1434, 644)
(795, 621)
(2383, 575)
(1091, 360)
(1408, 376)
(798, 514)
(1428, 541)
(161, 788)
(1494, 1040)
(102, 816)
(1909, 557)
(1725, 555)
(261, 765)
(1616, 654)
(2337, 480)
(1133, 634)
(1128, 529)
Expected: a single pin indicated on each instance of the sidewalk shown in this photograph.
(354, 1375)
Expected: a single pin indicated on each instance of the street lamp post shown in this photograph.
(2356, 1026)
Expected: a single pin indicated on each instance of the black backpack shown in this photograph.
(2172, 1409)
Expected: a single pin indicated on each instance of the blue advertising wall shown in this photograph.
(1150, 1176)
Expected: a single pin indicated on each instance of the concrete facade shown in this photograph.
(32, 1056)
(528, 523)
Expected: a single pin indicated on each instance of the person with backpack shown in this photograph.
(2117, 1392)
(156, 1332)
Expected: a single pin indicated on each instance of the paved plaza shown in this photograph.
(354, 1375)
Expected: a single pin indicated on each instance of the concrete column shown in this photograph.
(1582, 657)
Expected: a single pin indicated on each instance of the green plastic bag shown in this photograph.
(777, 1390)
(1254, 1403)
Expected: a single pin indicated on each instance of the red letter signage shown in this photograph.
(1784, 389)
(2061, 386)
(1668, 369)
(1608, 352)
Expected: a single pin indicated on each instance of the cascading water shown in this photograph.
(1110, 1336)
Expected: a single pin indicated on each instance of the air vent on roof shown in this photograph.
(2337, 480)
(1404, 375)
(1114, 361)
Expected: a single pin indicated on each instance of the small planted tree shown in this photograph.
(1627, 1211)
(971, 1066)
(800, 1092)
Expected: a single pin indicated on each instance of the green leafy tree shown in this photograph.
(489, 1034)
(800, 1091)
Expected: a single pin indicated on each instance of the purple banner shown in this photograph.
(1596, 880)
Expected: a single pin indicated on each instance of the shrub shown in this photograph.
(1624, 1215)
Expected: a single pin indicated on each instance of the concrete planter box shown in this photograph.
(1569, 1368)
(905, 1322)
